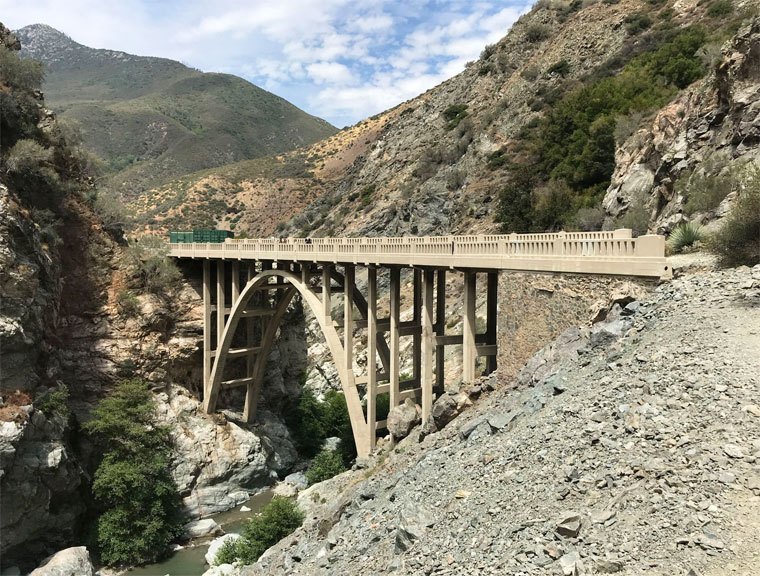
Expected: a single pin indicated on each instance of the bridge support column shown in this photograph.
(426, 372)
(235, 281)
(219, 303)
(249, 408)
(349, 274)
(417, 338)
(469, 350)
(206, 326)
(372, 356)
(440, 329)
(491, 316)
(395, 313)
(327, 293)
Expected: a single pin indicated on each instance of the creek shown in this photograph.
(190, 560)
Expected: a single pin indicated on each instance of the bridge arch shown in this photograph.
(332, 338)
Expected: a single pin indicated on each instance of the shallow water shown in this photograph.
(190, 561)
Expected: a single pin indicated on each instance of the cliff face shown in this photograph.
(60, 327)
(713, 128)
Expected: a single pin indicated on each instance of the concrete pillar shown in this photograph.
(235, 281)
(491, 317)
(469, 351)
(426, 372)
(206, 325)
(348, 315)
(220, 303)
(417, 337)
(305, 273)
(372, 355)
(249, 410)
(395, 312)
(326, 294)
(440, 330)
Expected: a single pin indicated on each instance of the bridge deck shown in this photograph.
(614, 252)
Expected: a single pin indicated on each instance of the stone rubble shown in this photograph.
(631, 453)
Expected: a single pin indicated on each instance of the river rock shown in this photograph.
(401, 419)
(68, 562)
(201, 528)
(216, 544)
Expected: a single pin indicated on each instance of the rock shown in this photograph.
(201, 528)
(245, 508)
(412, 524)
(502, 420)
(608, 566)
(733, 450)
(569, 525)
(297, 478)
(571, 564)
(331, 444)
(222, 570)
(444, 410)
(402, 418)
(216, 544)
(68, 562)
(286, 490)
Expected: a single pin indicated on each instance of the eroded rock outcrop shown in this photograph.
(712, 126)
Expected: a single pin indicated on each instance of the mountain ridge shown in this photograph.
(170, 119)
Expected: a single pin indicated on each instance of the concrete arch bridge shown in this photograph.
(248, 284)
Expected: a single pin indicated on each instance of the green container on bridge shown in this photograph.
(215, 236)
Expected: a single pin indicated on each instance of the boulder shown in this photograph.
(201, 528)
(413, 523)
(444, 410)
(216, 544)
(401, 419)
(68, 562)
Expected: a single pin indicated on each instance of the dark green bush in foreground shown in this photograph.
(278, 519)
(139, 502)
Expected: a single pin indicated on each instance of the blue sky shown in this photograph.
(342, 60)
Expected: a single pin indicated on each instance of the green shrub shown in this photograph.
(139, 505)
(324, 466)
(589, 218)
(32, 173)
(636, 218)
(150, 263)
(54, 403)
(536, 33)
(720, 8)
(454, 114)
(227, 553)
(279, 518)
(737, 243)
(561, 68)
(684, 236)
(127, 304)
(312, 422)
(637, 23)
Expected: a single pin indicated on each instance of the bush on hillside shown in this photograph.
(279, 518)
(454, 114)
(324, 466)
(536, 33)
(54, 403)
(18, 107)
(737, 243)
(720, 8)
(32, 174)
(149, 261)
(312, 422)
(684, 236)
(705, 190)
(139, 505)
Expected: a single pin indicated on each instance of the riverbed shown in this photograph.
(190, 560)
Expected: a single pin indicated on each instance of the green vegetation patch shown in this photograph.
(139, 507)
(454, 114)
(279, 519)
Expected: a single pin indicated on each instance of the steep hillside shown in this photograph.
(527, 138)
(153, 119)
(636, 453)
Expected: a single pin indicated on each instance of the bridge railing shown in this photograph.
(607, 245)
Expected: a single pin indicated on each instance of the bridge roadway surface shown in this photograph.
(318, 268)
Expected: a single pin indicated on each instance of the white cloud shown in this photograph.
(340, 59)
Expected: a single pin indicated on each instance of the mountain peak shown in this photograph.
(41, 42)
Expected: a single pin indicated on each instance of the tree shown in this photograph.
(140, 505)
